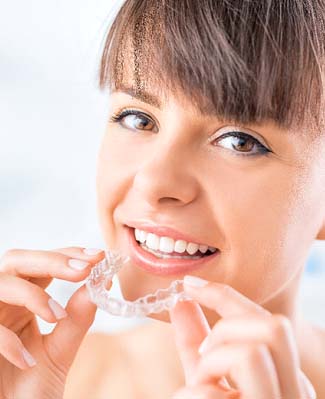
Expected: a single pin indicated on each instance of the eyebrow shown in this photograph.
(141, 95)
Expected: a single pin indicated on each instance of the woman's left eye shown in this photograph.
(243, 144)
(144, 122)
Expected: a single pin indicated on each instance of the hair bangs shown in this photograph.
(239, 60)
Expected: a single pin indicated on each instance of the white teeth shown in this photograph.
(152, 241)
(143, 236)
(192, 248)
(137, 234)
(180, 246)
(168, 245)
(203, 248)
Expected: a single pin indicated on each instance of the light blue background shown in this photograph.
(52, 121)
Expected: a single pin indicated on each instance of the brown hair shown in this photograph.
(241, 60)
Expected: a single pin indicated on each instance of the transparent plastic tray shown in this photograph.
(102, 272)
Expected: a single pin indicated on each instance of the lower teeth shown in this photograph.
(165, 256)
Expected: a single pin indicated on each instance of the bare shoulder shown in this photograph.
(94, 358)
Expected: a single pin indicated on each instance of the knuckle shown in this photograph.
(255, 353)
(68, 251)
(5, 258)
(33, 293)
(9, 340)
(279, 325)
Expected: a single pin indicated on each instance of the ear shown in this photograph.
(321, 232)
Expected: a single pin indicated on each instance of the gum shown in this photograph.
(102, 272)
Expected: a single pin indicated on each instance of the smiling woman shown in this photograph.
(215, 139)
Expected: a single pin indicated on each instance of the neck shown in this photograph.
(285, 302)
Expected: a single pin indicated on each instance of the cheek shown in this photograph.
(269, 228)
(112, 179)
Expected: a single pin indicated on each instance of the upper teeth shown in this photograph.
(168, 244)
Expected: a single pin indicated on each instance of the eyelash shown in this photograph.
(262, 150)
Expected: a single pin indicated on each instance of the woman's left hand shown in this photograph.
(254, 347)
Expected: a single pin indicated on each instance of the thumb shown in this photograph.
(65, 339)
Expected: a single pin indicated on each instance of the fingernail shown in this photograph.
(28, 358)
(78, 264)
(223, 384)
(92, 251)
(195, 281)
(203, 346)
(58, 311)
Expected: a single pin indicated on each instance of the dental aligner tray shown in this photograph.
(102, 272)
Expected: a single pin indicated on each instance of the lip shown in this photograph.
(163, 267)
(164, 231)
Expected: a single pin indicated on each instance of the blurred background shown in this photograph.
(52, 120)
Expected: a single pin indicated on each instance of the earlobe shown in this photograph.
(321, 232)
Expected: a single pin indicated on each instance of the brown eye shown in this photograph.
(242, 144)
(138, 122)
(134, 120)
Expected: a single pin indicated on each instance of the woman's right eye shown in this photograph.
(132, 116)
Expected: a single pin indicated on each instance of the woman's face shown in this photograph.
(171, 165)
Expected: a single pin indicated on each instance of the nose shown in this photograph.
(167, 177)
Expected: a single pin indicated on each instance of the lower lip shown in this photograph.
(150, 263)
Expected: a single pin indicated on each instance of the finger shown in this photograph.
(190, 328)
(223, 299)
(205, 391)
(70, 264)
(64, 341)
(275, 332)
(17, 291)
(250, 366)
(73, 253)
(81, 252)
(307, 387)
(11, 348)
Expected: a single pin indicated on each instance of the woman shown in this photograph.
(226, 165)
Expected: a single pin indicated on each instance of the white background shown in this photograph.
(52, 120)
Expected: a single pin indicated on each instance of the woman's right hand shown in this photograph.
(24, 275)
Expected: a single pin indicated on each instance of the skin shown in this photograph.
(24, 275)
(262, 212)
(258, 343)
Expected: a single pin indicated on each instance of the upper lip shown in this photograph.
(161, 231)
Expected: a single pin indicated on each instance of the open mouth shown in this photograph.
(162, 263)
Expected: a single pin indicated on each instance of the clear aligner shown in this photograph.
(102, 272)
